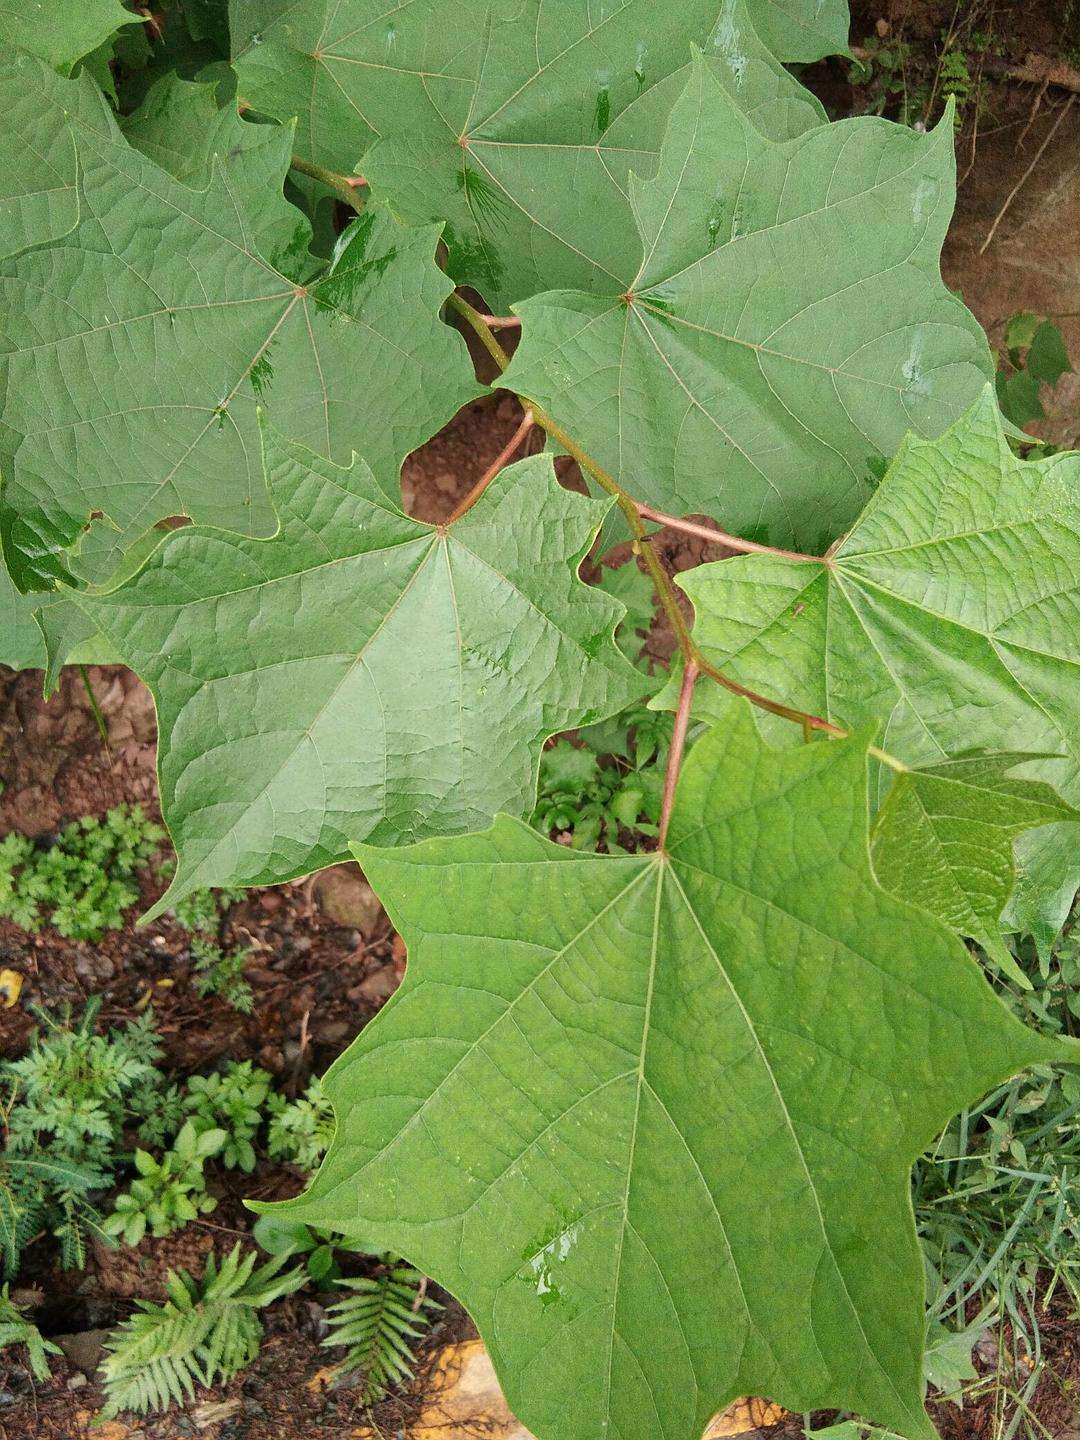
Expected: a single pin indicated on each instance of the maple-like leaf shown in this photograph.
(950, 613)
(21, 645)
(61, 33)
(38, 200)
(786, 326)
(361, 673)
(517, 124)
(593, 1062)
(182, 125)
(943, 839)
(134, 349)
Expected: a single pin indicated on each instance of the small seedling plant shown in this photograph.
(650, 1116)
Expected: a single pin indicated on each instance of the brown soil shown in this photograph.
(317, 982)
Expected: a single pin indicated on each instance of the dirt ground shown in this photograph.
(325, 959)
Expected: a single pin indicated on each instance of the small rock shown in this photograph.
(270, 901)
(84, 1349)
(379, 985)
(215, 1412)
(333, 1032)
(90, 965)
(344, 896)
(77, 1381)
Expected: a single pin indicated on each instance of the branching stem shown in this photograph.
(693, 659)
(345, 187)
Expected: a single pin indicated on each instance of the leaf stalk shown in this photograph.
(504, 456)
(678, 744)
(722, 537)
(345, 187)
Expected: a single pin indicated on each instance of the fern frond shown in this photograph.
(204, 1332)
(16, 1329)
(379, 1324)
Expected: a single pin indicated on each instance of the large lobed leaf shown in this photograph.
(950, 613)
(134, 349)
(786, 325)
(518, 122)
(361, 673)
(652, 1119)
(38, 170)
(60, 32)
(944, 840)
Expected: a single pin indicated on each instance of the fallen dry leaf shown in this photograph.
(462, 1397)
(11, 983)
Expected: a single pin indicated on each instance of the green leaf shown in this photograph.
(60, 34)
(517, 124)
(943, 839)
(181, 126)
(566, 767)
(361, 673)
(593, 1062)
(948, 1365)
(631, 587)
(736, 379)
(1048, 359)
(134, 352)
(21, 645)
(42, 113)
(796, 30)
(950, 613)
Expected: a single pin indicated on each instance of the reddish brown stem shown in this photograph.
(504, 456)
(661, 582)
(678, 744)
(721, 537)
(501, 322)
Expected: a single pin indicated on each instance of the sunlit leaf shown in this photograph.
(950, 613)
(652, 1119)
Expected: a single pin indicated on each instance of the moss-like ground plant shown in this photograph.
(651, 1116)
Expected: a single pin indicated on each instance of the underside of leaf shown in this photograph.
(361, 673)
(518, 125)
(135, 349)
(731, 377)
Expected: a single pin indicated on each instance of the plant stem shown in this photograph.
(478, 323)
(95, 708)
(678, 743)
(721, 537)
(661, 582)
(341, 185)
(502, 322)
(504, 455)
